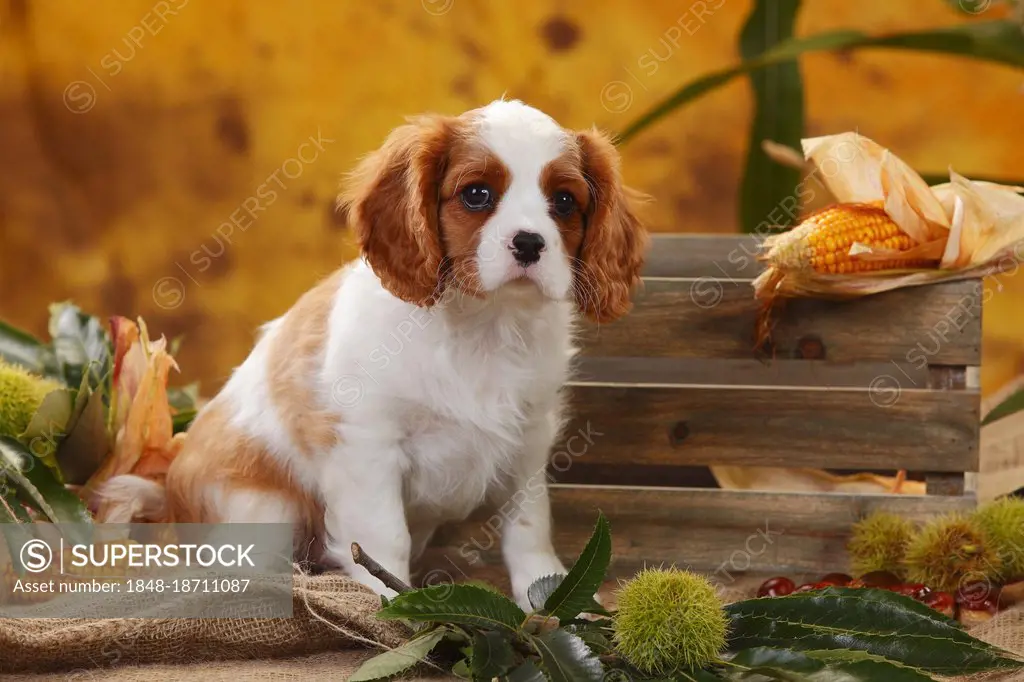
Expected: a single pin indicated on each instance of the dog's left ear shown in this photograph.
(391, 200)
(615, 243)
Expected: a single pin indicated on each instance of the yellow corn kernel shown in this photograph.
(822, 241)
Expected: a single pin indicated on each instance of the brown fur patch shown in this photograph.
(295, 359)
(565, 174)
(392, 201)
(460, 227)
(615, 244)
(216, 453)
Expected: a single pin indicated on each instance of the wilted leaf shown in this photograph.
(391, 663)
(458, 604)
(576, 592)
(878, 622)
(144, 438)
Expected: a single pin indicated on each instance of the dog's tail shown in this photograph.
(131, 498)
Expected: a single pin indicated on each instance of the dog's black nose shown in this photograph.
(526, 247)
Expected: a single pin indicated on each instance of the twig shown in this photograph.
(376, 570)
(9, 510)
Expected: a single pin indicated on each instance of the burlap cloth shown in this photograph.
(332, 631)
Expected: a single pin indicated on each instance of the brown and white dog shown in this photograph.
(424, 379)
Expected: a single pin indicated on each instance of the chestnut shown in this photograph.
(942, 602)
(978, 612)
(836, 579)
(776, 587)
(974, 595)
(918, 591)
(880, 579)
(1011, 593)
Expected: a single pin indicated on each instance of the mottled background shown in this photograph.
(127, 138)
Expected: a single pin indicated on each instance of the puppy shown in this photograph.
(424, 379)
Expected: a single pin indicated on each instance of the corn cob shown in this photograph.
(822, 242)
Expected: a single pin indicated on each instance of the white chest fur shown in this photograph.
(456, 387)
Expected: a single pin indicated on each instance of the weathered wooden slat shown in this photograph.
(949, 483)
(700, 318)
(729, 256)
(885, 427)
(723, 532)
(720, 372)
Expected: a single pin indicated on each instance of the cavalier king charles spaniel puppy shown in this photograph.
(424, 379)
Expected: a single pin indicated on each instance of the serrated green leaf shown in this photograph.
(458, 604)
(576, 591)
(698, 676)
(778, 116)
(39, 485)
(18, 347)
(566, 658)
(868, 666)
(595, 638)
(397, 660)
(542, 588)
(492, 655)
(80, 343)
(878, 622)
(527, 671)
(998, 41)
(805, 666)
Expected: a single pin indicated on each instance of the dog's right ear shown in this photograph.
(391, 201)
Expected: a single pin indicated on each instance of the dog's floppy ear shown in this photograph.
(615, 242)
(391, 200)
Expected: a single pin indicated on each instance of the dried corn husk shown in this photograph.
(141, 415)
(970, 229)
(812, 480)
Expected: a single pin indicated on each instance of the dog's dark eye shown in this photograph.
(477, 197)
(563, 204)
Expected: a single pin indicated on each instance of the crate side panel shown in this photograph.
(725, 533)
(701, 318)
(917, 430)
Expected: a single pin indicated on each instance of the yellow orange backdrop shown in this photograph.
(139, 138)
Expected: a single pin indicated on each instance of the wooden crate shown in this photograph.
(881, 383)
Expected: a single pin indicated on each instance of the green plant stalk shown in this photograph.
(1000, 42)
(778, 116)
